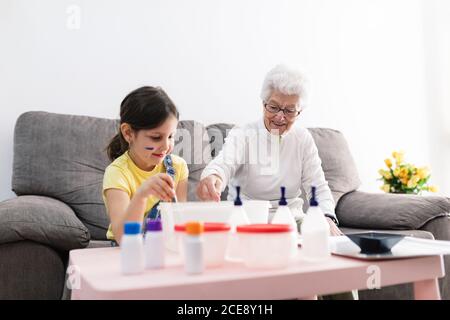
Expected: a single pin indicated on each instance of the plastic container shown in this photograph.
(215, 237)
(132, 249)
(154, 245)
(214, 212)
(193, 248)
(266, 245)
(315, 233)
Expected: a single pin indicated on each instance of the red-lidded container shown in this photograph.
(266, 245)
(215, 242)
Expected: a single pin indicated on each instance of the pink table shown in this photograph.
(95, 274)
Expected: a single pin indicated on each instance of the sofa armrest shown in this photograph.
(43, 220)
(389, 211)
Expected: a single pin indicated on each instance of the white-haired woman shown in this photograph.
(297, 163)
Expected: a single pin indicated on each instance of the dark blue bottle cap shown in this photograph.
(283, 201)
(313, 202)
(132, 228)
(238, 201)
(154, 225)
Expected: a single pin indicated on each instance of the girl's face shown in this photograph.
(149, 147)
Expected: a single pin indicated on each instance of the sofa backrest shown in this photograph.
(337, 162)
(63, 157)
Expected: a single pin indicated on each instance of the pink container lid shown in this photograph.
(207, 227)
(264, 228)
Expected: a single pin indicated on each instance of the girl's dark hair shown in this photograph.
(143, 109)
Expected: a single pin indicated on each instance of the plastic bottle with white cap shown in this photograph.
(283, 215)
(193, 248)
(315, 232)
(154, 245)
(132, 249)
(238, 218)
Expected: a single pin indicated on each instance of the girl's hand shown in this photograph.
(160, 186)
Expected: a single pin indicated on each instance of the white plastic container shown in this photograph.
(154, 245)
(132, 249)
(215, 242)
(214, 212)
(315, 232)
(266, 245)
(193, 248)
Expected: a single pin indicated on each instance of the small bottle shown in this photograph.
(283, 215)
(238, 217)
(132, 249)
(193, 248)
(154, 245)
(315, 232)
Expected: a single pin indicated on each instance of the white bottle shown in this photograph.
(132, 249)
(315, 232)
(238, 217)
(193, 248)
(154, 245)
(283, 215)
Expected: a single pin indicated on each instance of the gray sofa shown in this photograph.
(59, 162)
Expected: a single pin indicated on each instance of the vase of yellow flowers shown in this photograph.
(404, 177)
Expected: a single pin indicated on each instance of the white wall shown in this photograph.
(365, 61)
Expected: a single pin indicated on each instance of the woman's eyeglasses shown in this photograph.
(289, 112)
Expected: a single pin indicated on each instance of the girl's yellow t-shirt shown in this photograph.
(124, 174)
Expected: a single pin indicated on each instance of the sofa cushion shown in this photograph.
(192, 144)
(217, 133)
(63, 157)
(337, 161)
(43, 220)
(389, 211)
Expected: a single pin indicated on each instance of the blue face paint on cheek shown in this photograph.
(149, 148)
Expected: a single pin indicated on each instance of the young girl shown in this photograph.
(143, 172)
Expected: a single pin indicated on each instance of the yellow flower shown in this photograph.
(422, 173)
(411, 183)
(396, 172)
(415, 179)
(385, 188)
(433, 189)
(404, 180)
(388, 163)
(398, 156)
(385, 174)
(404, 173)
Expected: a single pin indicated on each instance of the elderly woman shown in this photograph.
(298, 163)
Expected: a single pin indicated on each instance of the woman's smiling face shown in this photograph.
(280, 122)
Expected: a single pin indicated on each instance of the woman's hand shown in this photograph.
(210, 188)
(160, 186)
(334, 230)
